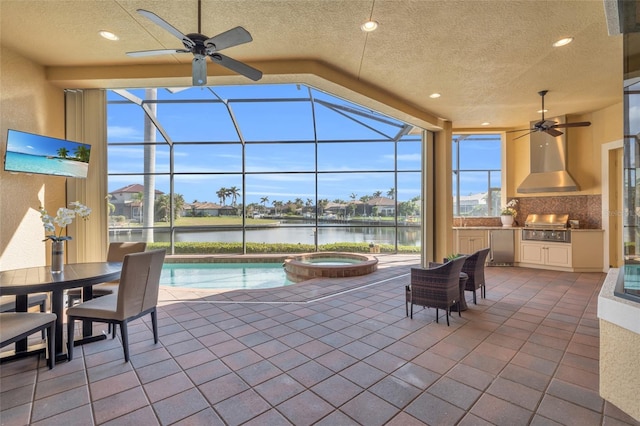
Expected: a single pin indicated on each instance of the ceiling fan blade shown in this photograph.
(237, 66)
(522, 136)
(230, 38)
(520, 130)
(577, 124)
(553, 132)
(157, 52)
(168, 27)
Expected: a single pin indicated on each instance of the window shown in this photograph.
(240, 169)
(477, 174)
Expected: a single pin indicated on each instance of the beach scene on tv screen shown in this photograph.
(30, 153)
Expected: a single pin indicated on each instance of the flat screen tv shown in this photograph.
(31, 153)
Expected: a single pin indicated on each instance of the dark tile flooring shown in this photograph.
(337, 352)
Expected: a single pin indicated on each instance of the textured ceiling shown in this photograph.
(488, 59)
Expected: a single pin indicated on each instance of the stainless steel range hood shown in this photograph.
(548, 164)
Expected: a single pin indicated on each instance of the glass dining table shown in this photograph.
(39, 279)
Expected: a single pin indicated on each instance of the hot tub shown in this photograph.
(329, 265)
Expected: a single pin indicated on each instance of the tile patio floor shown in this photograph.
(337, 352)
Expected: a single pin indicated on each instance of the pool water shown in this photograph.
(224, 275)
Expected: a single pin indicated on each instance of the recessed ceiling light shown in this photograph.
(540, 111)
(563, 42)
(108, 35)
(434, 95)
(486, 123)
(369, 26)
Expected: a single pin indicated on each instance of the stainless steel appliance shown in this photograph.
(547, 227)
(502, 247)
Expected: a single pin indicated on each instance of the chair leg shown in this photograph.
(112, 329)
(474, 296)
(437, 316)
(459, 314)
(70, 325)
(154, 325)
(125, 340)
(483, 291)
(447, 318)
(51, 345)
(43, 309)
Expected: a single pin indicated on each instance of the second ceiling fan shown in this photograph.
(548, 126)
(202, 47)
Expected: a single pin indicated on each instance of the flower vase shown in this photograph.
(57, 256)
(507, 220)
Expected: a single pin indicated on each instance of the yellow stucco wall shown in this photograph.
(620, 367)
(27, 103)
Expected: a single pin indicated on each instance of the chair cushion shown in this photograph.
(102, 307)
(14, 324)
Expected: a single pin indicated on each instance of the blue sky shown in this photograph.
(361, 167)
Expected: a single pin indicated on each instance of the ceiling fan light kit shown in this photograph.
(202, 47)
(548, 126)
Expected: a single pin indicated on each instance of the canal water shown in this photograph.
(289, 233)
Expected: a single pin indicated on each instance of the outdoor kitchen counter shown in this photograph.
(487, 228)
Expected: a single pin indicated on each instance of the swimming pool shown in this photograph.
(224, 275)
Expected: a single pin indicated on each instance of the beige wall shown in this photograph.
(27, 103)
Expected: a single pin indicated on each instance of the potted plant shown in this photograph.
(509, 213)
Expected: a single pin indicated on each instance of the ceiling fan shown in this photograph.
(202, 47)
(549, 126)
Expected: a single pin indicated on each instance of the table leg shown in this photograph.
(463, 302)
(87, 325)
(57, 307)
(21, 306)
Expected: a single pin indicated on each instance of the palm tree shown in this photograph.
(162, 208)
(391, 193)
(233, 192)
(82, 153)
(364, 200)
(63, 152)
(222, 195)
(322, 204)
(264, 201)
(377, 194)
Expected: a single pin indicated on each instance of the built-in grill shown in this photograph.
(547, 227)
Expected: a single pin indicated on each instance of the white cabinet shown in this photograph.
(545, 254)
(469, 241)
(583, 254)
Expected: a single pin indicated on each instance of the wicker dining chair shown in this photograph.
(474, 268)
(437, 287)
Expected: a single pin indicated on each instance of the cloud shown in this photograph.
(123, 133)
